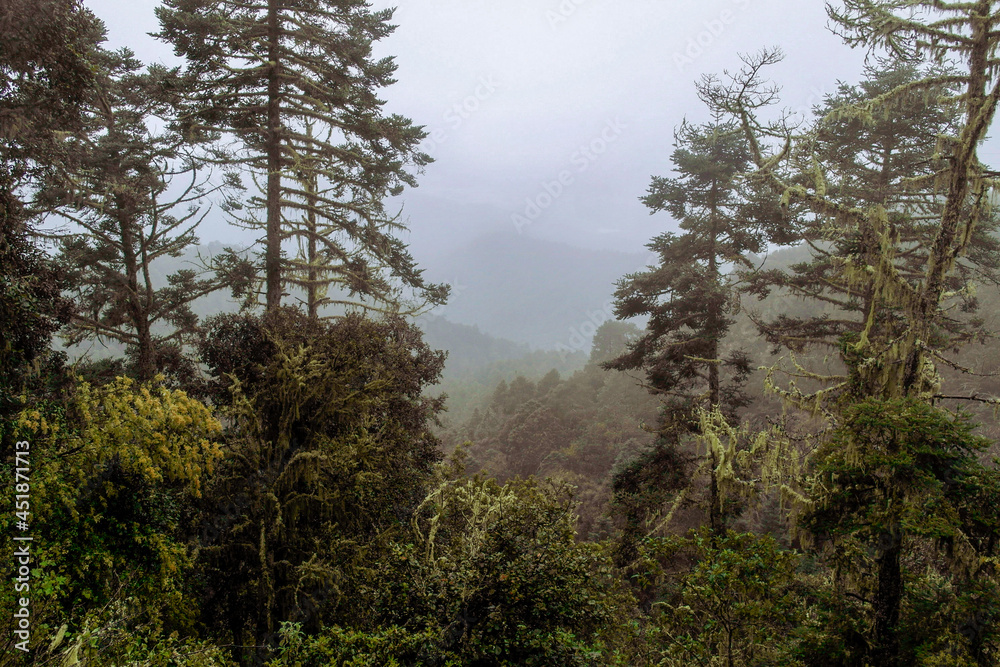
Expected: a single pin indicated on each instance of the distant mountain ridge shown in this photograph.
(551, 296)
(541, 294)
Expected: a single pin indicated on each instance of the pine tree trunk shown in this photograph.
(312, 289)
(715, 518)
(272, 253)
(147, 351)
(888, 596)
(145, 365)
(948, 245)
(146, 362)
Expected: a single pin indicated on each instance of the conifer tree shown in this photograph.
(688, 296)
(870, 162)
(45, 60)
(295, 84)
(898, 479)
(898, 362)
(132, 197)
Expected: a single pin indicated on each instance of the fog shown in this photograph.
(546, 120)
(518, 93)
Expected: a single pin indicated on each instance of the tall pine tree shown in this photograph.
(133, 196)
(688, 296)
(295, 84)
(867, 162)
(892, 365)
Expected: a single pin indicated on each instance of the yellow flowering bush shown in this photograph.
(113, 470)
(159, 433)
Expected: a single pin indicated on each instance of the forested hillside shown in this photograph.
(774, 443)
(549, 295)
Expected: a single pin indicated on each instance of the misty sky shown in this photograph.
(548, 117)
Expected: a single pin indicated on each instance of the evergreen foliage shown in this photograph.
(295, 84)
(45, 73)
(688, 298)
(901, 478)
(294, 508)
(497, 574)
(132, 197)
(327, 453)
(732, 597)
(884, 160)
(904, 247)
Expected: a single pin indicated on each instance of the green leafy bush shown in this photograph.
(726, 600)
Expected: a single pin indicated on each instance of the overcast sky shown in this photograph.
(548, 117)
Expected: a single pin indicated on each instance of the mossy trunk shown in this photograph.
(888, 596)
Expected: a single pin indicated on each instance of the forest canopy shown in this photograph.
(787, 461)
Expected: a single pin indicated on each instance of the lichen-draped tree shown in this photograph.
(960, 183)
(295, 83)
(938, 32)
(688, 295)
(868, 162)
(899, 361)
(131, 197)
(895, 487)
(329, 453)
